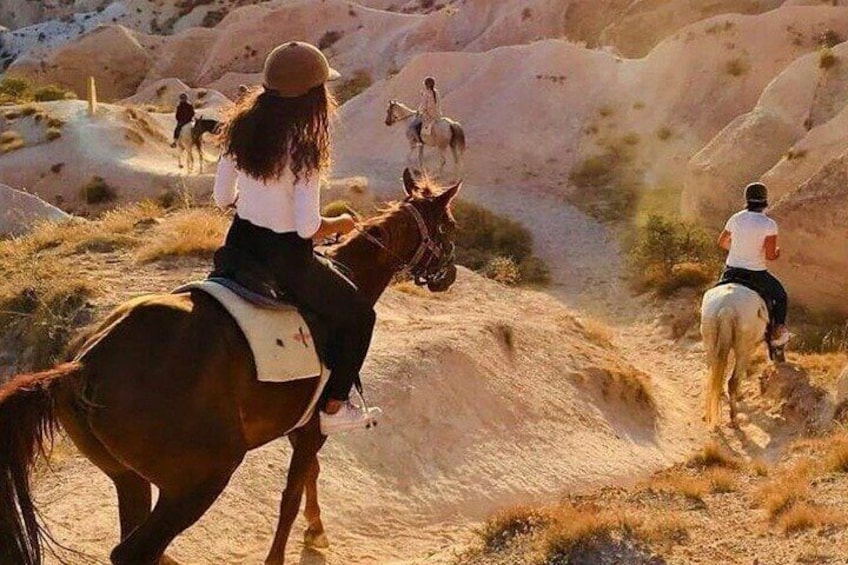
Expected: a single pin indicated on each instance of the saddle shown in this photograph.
(248, 278)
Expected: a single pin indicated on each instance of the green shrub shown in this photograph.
(671, 254)
(97, 191)
(484, 236)
(502, 270)
(52, 92)
(13, 90)
(608, 185)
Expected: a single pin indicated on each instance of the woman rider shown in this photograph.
(751, 239)
(430, 106)
(276, 149)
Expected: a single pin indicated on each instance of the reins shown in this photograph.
(426, 244)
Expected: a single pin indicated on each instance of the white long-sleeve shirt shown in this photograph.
(282, 205)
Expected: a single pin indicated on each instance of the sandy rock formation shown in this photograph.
(795, 129)
(114, 55)
(815, 242)
(126, 147)
(20, 210)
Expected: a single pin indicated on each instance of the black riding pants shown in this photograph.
(315, 286)
(178, 129)
(765, 283)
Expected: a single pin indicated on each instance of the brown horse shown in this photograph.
(168, 395)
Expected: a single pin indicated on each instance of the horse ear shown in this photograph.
(409, 184)
(447, 196)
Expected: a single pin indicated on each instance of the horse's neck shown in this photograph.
(406, 111)
(372, 269)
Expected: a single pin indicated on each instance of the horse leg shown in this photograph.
(443, 160)
(307, 442)
(134, 496)
(740, 370)
(314, 537)
(175, 511)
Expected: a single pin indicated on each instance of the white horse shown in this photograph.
(191, 139)
(445, 133)
(733, 318)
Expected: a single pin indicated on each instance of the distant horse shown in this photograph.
(166, 393)
(446, 133)
(191, 139)
(734, 319)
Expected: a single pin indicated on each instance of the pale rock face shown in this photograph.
(113, 55)
(814, 239)
(19, 211)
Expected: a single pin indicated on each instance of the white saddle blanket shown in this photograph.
(280, 340)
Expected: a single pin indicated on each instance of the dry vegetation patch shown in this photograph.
(192, 233)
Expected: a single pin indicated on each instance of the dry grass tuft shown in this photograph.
(574, 529)
(836, 457)
(679, 483)
(714, 455)
(783, 493)
(721, 481)
(98, 191)
(192, 233)
(10, 140)
(595, 331)
(666, 528)
(804, 516)
(504, 526)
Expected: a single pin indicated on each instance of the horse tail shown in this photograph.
(718, 339)
(27, 426)
(457, 140)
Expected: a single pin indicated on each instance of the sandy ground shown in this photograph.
(493, 433)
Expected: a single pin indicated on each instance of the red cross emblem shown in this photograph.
(302, 337)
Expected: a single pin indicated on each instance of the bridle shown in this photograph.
(433, 258)
(394, 117)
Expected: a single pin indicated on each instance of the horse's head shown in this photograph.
(432, 263)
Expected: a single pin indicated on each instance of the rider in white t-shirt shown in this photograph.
(751, 239)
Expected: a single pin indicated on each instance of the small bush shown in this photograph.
(329, 39)
(502, 270)
(721, 481)
(353, 87)
(98, 191)
(51, 93)
(608, 184)
(14, 91)
(11, 140)
(736, 67)
(714, 455)
(57, 168)
(55, 123)
(805, 516)
(508, 524)
(827, 58)
(29, 110)
(53, 134)
(483, 236)
(830, 39)
(664, 133)
(671, 254)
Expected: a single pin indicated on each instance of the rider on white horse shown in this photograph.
(751, 239)
(430, 107)
(184, 115)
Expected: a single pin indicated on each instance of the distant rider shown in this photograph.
(185, 115)
(751, 238)
(430, 107)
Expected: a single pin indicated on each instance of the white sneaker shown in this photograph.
(349, 417)
(782, 339)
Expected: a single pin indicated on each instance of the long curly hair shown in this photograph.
(265, 133)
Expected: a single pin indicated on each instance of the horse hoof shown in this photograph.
(314, 540)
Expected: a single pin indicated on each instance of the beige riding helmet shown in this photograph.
(293, 69)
